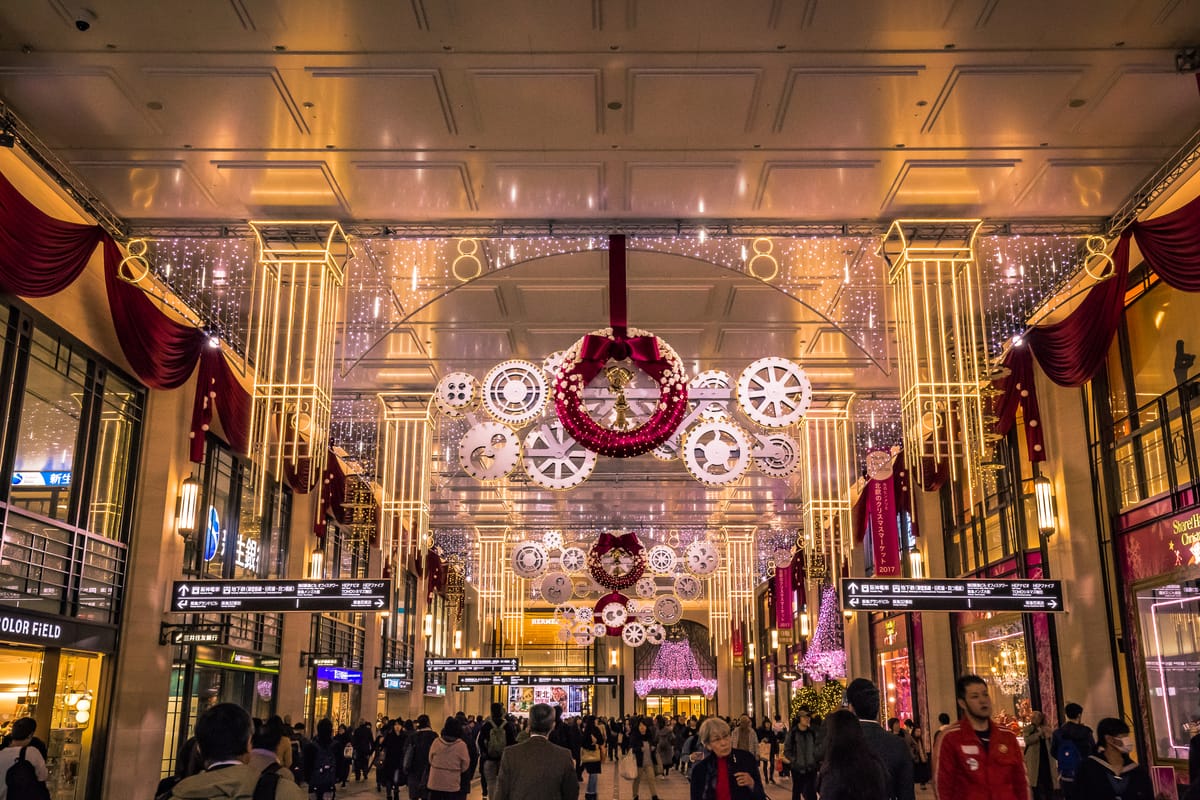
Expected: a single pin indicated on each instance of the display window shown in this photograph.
(995, 649)
(1168, 618)
(573, 700)
(20, 679)
(893, 669)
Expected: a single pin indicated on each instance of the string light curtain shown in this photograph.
(942, 342)
(297, 302)
(402, 468)
(489, 582)
(827, 473)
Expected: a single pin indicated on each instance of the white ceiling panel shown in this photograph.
(677, 105)
(683, 189)
(545, 189)
(949, 187)
(389, 189)
(1167, 101)
(166, 189)
(1084, 184)
(538, 107)
(1001, 105)
(77, 106)
(362, 107)
(568, 303)
(884, 98)
(278, 188)
(671, 303)
(820, 189)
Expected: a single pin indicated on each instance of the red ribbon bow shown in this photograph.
(629, 543)
(596, 351)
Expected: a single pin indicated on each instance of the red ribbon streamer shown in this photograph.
(617, 315)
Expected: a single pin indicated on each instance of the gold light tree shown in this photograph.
(403, 463)
(827, 474)
(942, 342)
(297, 304)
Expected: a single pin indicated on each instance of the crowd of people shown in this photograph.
(847, 755)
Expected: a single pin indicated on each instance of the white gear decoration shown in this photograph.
(553, 540)
(655, 633)
(582, 588)
(645, 615)
(489, 451)
(515, 391)
(557, 587)
(573, 559)
(716, 452)
(632, 607)
(646, 587)
(565, 634)
(712, 408)
(668, 610)
(598, 630)
(564, 612)
(774, 392)
(668, 450)
(552, 363)
(661, 559)
(702, 557)
(456, 394)
(529, 559)
(634, 634)
(783, 464)
(584, 637)
(687, 587)
(554, 460)
(614, 615)
(584, 614)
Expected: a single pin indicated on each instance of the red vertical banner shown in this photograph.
(785, 612)
(735, 641)
(882, 527)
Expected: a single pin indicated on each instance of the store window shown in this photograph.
(20, 675)
(1169, 622)
(893, 671)
(995, 650)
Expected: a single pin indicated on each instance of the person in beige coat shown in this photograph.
(537, 769)
(448, 759)
(1039, 766)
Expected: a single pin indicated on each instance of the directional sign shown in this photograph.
(388, 675)
(301, 595)
(464, 688)
(537, 680)
(470, 665)
(867, 594)
(196, 634)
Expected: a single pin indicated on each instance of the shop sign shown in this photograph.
(58, 478)
(32, 628)
(397, 684)
(864, 594)
(464, 688)
(212, 534)
(390, 675)
(194, 634)
(269, 663)
(471, 665)
(279, 595)
(537, 680)
(339, 675)
(1161, 547)
(325, 661)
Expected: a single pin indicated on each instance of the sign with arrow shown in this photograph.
(279, 595)
(930, 594)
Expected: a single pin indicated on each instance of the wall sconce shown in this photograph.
(774, 639)
(457, 640)
(1043, 491)
(427, 630)
(750, 650)
(848, 614)
(614, 657)
(189, 499)
(474, 652)
(804, 631)
(916, 564)
(316, 565)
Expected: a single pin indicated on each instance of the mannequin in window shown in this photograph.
(1183, 363)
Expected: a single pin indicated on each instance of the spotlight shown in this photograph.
(1188, 60)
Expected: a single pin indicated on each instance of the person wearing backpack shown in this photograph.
(494, 736)
(265, 753)
(1070, 746)
(22, 765)
(223, 738)
(416, 759)
(323, 761)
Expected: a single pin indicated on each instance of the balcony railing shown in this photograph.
(1154, 448)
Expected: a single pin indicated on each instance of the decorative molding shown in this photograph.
(270, 73)
(843, 71)
(434, 75)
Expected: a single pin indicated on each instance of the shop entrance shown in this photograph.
(689, 705)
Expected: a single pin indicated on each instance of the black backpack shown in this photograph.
(268, 782)
(324, 771)
(21, 780)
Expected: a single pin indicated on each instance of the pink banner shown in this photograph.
(784, 611)
(735, 640)
(881, 525)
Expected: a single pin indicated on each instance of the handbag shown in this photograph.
(628, 766)
(764, 751)
(590, 756)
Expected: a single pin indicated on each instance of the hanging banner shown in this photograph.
(785, 612)
(882, 527)
(735, 640)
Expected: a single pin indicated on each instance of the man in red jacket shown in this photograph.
(976, 759)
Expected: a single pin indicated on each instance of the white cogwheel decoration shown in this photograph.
(774, 392)
(661, 559)
(702, 557)
(598, 630)
(557, 588)
(529, 559)
(614, 615)
(573, 559)
(704, 386)
(785, 457)
(456, 394)
(515, 391)
(656, 633)
(552, 363)
(687, 587)
(553, 540)
(716, 452)
(553, 460)
(582, 588)
(584, 637)
(668, 450)
(668, 610)
(564, 613)
(646, 587)
(634, 634)
(632, 607)
(584, 614)
(489, 451)
(646, 615)
(565, 634)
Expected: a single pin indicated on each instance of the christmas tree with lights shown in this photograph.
(675, 669)
(826, 656)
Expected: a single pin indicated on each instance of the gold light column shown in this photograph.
(718, 588)
(942, 336)
(826, 439)
(404, 455)
(293, 322)
(490, 551)
(740, 556)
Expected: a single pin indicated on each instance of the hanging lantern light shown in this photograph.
(826, 439)
(403, 464)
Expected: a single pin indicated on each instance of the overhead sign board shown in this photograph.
(279, 595)
(195, 634)
(537, 680)
(398, 684)
(390, 675)
(470, 665)
(867, 594)
(461, 688)
(339, 675)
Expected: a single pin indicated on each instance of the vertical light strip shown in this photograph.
(489, 581)
(718, 586)
(826, 439)
(404, 453)
(942, 343)
(740, 557)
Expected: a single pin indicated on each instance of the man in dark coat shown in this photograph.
(537, 769)
(364, 746)
(863, 697)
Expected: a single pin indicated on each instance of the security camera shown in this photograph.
(84, 18)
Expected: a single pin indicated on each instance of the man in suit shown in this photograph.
(863, 698)
(537, 769)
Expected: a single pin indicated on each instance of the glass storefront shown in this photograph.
(1169, 622)
(995, 649)
(893, 667)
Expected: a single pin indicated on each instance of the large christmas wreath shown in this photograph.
(616, 562)
(584, 360)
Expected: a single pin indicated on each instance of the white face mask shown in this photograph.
(1122, 744)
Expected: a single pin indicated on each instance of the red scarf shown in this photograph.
(723, 792)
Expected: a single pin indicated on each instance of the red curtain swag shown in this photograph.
(39, 255)
(1019, 392)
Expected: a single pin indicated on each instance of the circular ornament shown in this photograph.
(564, 612)
(614, 615)
(616, 562)
(552, 363)
(599, 629)
(785, 462)
(634, 634)
(645, 614)
(582, 588)
(702, 557)
(553, 460)
(565, 634)
(661, 559)
(529, 559)
(515, 391)
(774, 392)
(587, 357)
(711, 407)
(573, 559)
(655, 633)
(716, 452)
(584, 614)
(646, 587)
(456, 394)
(668, 450)
(584, 637)
(632, 607)
(489, 451)
(668, 610)
(879, 465)
(553, 540)
(687, 587)
(557, 588)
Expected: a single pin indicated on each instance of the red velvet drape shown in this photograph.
(1170, 244)
(218, 389)
(39, 255)
(1019, 392)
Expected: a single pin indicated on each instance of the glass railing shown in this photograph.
(1154, 448)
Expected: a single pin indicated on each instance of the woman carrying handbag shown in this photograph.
(592, 755)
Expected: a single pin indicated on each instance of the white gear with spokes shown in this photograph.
(774, 392)
(489, 451)
(515, 391)
(687, 587)
(634, 634)
(529, 559)
(553, 459)
(711, 407)
(553, 540)
(783, 458)
(661, 559)
(573, 559)
(716, 452)
(614, 615)
(456, 394)
(668, 610)
(702, 557)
